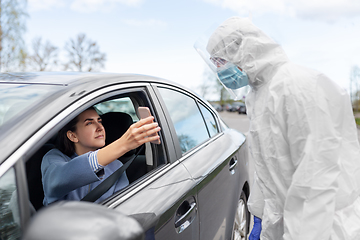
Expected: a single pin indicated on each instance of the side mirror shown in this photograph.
(82, 220)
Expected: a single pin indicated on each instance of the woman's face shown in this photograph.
(89, 134)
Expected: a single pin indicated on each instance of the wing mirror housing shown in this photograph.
(82, 221)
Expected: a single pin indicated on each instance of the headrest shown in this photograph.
(116, 124)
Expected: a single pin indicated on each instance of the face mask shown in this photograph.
(231, 76)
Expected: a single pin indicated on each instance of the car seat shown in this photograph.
(116, 124)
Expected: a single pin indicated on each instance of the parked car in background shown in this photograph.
(194, 185)
(242, 109)
(217, 107)
(235, 106)
(227, 107)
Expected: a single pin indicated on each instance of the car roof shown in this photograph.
(56, 78)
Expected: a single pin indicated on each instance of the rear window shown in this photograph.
(15, 98)
(186, 117)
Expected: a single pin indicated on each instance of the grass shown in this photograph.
(357, 120)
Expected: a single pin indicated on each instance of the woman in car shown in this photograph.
(81, 161)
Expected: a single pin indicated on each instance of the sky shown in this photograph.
(157, 37)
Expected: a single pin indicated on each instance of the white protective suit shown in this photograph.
(302, 140)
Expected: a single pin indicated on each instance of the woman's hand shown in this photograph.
(137, 134)
(141, 132)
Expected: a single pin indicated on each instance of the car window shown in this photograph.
(209, 120)
(114, 112)
(118, 105)
(9, 208)
(146, 161)
(186, 117)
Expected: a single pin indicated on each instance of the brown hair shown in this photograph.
(65, 145)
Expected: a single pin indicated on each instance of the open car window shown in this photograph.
(112, 110)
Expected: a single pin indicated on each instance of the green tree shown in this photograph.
(12, 26)
(83, 55)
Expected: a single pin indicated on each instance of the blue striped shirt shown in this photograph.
(94, 164)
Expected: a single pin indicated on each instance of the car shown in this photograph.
(242, 109)
(194, 185)
(227, 107)
(235, 106)
(217, 107)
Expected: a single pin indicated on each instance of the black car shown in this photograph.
(194, 185)
(242, 108)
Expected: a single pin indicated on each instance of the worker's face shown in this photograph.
(89, 134)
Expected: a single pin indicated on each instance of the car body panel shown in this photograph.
(166, 190)
(214, 178)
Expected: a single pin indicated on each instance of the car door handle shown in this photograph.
(185, 215)
(233, 162)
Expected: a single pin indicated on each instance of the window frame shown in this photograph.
(197, 100)
(215, 116)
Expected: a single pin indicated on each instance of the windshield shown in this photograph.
(15, 98)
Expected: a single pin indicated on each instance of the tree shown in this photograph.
(207, 85)
(12, 26)
(224, 96)
(186, 142)
(211, 85)
(83, 54)
(44, 56)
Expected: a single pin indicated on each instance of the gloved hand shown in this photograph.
(255, 232)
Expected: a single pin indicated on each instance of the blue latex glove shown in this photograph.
(255, 232)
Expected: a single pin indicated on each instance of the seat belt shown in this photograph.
(103, 187)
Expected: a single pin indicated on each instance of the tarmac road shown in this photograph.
(236, 121)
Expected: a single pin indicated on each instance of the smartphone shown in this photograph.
(144, 112)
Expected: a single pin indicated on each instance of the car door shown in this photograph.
(211, 158)
(163, 201)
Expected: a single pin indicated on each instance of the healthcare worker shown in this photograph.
(302, 138)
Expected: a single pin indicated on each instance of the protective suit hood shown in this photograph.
(248, 48)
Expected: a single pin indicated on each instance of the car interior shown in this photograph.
(118, 114)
